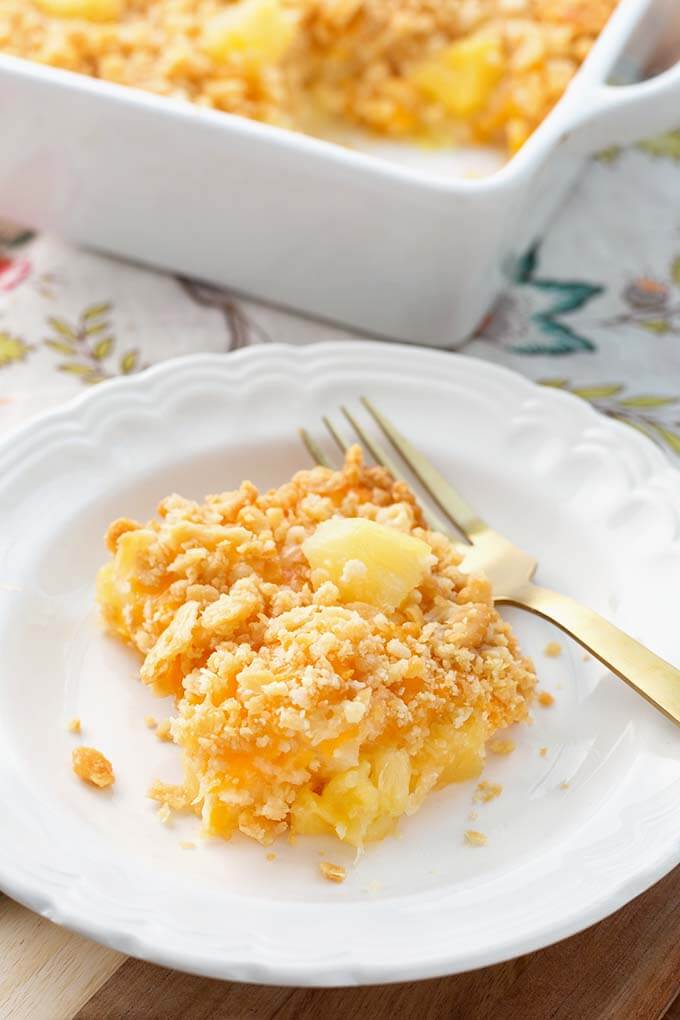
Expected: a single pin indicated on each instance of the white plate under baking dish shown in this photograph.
(574, 835)
(391, 240)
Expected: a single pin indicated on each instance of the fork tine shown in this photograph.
(433, 520)
(465, 517)
(313, 449)
(379, 455)
(339, 441)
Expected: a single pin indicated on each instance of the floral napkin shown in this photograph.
(594, 308)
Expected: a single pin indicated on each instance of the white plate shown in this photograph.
(596, 502)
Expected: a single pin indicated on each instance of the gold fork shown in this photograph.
(511, 570)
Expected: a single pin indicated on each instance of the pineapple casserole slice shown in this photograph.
(330, 662)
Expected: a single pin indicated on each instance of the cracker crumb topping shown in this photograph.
(474, 838)
(332, 872)
(486, 791)
(92, 767)
(163, 731)
(501, 745)
(464, 71)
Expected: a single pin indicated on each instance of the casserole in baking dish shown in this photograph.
(434, 71)
(391, 239)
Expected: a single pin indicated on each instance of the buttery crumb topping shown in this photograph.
(332, 872)
(446, 70)
(501, 745)
(92, 767)
(474, 838)
(486, 791)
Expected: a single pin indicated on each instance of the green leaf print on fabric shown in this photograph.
(88, 345)
(568, 296)
(642, 411)
(665, 146)
(596, 392)
(128, 362)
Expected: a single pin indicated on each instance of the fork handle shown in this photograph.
(652, 677)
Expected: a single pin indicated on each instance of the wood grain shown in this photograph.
(673, 1012)
(625, 968)
(46, 973)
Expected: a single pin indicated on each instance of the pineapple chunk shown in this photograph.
(219, 819)
(119, 591)
(91, 10)
(364, 803)
(347, 806)
(392, 771)
(257, 30)
(462, 750)
(463, 76)
(368, 562)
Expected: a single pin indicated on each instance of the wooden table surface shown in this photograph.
(625, 968)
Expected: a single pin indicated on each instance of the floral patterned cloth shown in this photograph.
(595, 308)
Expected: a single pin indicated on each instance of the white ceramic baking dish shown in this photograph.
(393, 242)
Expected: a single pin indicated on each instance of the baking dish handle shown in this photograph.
(607, 115)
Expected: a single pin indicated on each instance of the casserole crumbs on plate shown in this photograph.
(328, 696)
(332, 872)
(92, 767)
(474, 838)
(449, 71)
